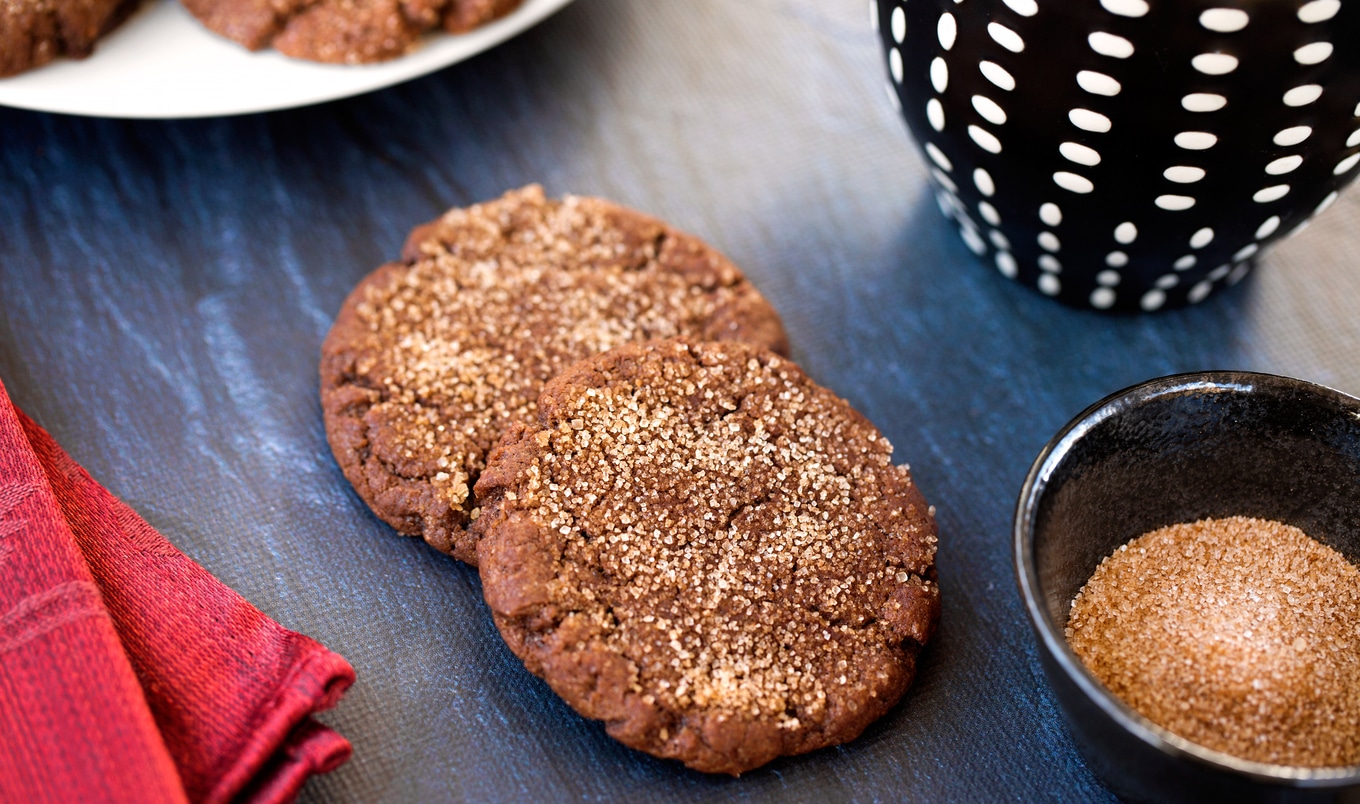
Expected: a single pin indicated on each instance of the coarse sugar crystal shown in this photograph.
(1239, 634)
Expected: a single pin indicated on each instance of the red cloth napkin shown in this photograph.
(127, 672)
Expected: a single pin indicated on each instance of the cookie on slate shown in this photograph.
(432, 358)
(701, 547)
(342, 31)
(34, 32)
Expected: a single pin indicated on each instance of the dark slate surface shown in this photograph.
(165, 286)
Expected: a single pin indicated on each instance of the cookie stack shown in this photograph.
(34, 32)
(343, 31)
(676, 528)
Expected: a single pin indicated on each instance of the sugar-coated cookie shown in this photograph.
(698, 545)
(432, 358)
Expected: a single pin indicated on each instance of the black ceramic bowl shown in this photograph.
(1179, 449)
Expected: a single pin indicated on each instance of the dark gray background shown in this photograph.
(165, 287)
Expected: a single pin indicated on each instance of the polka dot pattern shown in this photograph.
(1183, 174)
(1107, 44)
(1025, 8)
(1171, 166)
(1098, 83)
(1203, 102)
(937, 156)
(1196, 140)
(997, 75)
(1214, 63)
(989, 109)
(947, 30)
(1292, 135)
(1283, 165)
(1302, 95)
(983, 181)
(1153, 299)
(1006, 37)
(973, 240)
(1275, 192)
(1006, 264)
(1174, 203)
(985, 139)
(1073, 182)
(1319, 10)
(1126, 8)
(1087, 120)
(1081, 154)
(935, 114)
(1224, 20)
(1314, 53)
(939, 75)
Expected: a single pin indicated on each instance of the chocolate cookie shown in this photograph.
(34, 32)
(430, 359)
(342, 31)
(704, 549)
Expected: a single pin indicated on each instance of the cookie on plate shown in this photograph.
(342, 31)
(432, 358)
(701, 547)
(34, 32)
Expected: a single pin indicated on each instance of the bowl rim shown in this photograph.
(1052, 639)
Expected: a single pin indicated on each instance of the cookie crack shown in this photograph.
(658, 247)
(741, 509)
(359, 411)
(740, 401)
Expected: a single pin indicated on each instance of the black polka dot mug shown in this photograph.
(1128, 155)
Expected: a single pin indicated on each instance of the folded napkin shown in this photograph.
(127, 672)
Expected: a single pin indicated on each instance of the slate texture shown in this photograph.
(165, 287)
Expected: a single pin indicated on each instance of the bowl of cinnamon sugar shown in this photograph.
(1188, 551)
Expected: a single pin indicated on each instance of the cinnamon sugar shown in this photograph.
(1240, 634)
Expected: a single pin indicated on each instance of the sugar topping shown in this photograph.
(734, 530)
(500, 298)
(1242, 635)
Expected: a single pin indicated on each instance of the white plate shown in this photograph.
(161, 63)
